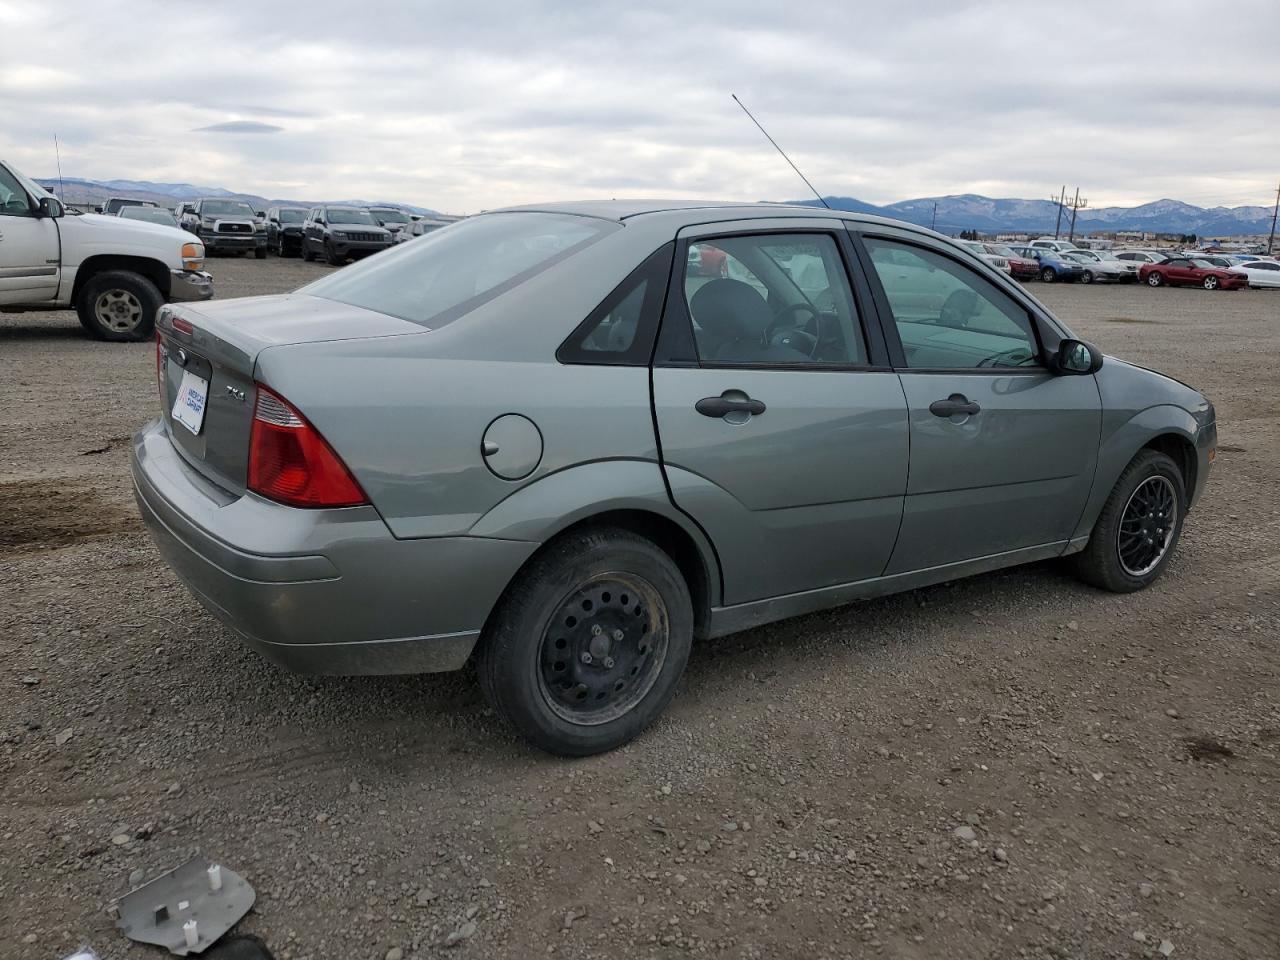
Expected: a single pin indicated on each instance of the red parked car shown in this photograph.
(1191, 272)
(1021, 268)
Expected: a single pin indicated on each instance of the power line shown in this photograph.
(1276, 210)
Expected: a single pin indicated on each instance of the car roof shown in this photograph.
(692, 212)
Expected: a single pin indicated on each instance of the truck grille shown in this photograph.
(234, 228)
(365, 237)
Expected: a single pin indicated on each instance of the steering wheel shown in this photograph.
(791, 335)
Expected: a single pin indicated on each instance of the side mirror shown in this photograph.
(1075, 357)
(259, 214)
(49, 207)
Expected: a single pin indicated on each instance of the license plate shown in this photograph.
(188, 408)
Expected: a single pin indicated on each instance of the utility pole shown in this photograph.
(1272, 239)
(933, 221)
(1076, 204)
(1058, 224)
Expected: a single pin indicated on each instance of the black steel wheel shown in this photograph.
(604, 648)
(586, 647)
(1138, 528)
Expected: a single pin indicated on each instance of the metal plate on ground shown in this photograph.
(157, 912)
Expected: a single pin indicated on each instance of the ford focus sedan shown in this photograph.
(547, 442)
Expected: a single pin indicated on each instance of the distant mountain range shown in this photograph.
(169, 194)
(969, 211)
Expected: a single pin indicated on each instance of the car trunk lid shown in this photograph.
(213, 348)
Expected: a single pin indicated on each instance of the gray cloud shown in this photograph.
(533, 100)
(239, 126)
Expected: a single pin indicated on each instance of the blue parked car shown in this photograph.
(1053, 265)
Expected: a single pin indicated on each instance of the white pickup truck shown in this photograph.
(115, 272)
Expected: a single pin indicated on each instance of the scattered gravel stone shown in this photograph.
(120, 839)
(1000, 855)
(1139, 936)
(464, 932)
(136, 878)
(1171, 713)
(395, 953)
(1165, 948)
(62, 738)
(594, 827)
(964, 833)
(30, 681)
(1145, 890)
(424, 897)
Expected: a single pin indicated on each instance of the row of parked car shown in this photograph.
(1060, 261)
(335, 232)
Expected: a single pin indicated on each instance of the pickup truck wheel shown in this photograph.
(585, 649)
(119, 305)
(1138, 528)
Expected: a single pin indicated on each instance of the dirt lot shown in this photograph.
(1117, 759)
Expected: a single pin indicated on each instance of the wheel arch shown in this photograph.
(569, 501)
(1166, 428)
(153, 270)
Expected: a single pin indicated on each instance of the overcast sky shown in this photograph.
(463, 106)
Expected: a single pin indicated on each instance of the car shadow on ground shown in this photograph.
(51, 330)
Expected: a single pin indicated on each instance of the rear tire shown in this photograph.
(1048, 275)
(1132, 540)
(586, 647)
(119, 306)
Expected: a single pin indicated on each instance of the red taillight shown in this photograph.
(291, 463)
(183, 325)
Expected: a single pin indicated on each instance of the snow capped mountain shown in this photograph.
(970, 211)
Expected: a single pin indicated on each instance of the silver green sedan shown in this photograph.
(567, 442)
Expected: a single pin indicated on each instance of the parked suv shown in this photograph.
(115, 271)
(339, 233)
(284, 230)
(1048, 243)
(1053, 265)
(393, 218)
(226, 226)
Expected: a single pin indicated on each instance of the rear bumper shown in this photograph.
(187, 285)
(320, 591)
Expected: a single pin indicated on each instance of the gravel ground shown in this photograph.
(1013, 765)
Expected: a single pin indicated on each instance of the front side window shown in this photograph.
(446, 274)
(772, 299)
(949, 316)
(13, 199)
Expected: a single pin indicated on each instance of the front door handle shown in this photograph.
(956, 405)
(723, 406)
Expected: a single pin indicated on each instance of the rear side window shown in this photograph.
(620, 331)
(452, 271)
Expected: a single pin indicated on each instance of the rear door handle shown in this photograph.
(956, 405)
(722, 406)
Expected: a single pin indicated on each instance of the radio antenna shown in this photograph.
(58, 154)
(780, 150)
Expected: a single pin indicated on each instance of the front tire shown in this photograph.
(586, 648)
(260, 253)
(119, 306)
(1211, 283)
(1088, 277)
(307, 255)
(1138, 528)
(1048, 275)
(332, 255)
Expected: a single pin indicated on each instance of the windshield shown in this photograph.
(1001, 251)
(349, 215)
(437, 279)
(149, 214)
(226, 208)
(390, 216)
(1202, 264)
(292, 216)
